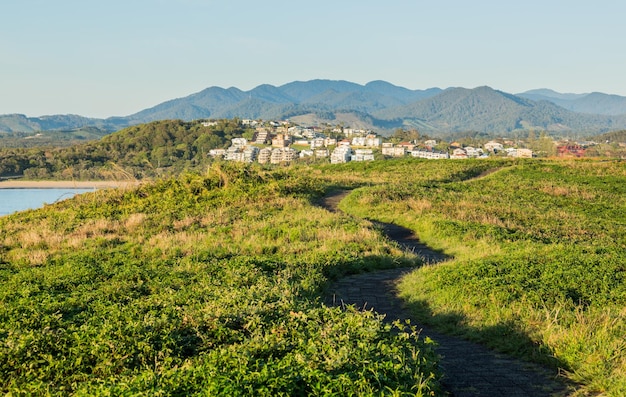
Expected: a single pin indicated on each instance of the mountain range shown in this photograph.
(379, 105)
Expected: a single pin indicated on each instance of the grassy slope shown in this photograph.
(539, 268)
(209, 283)
(197, 285)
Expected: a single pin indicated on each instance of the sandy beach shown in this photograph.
(24, 184)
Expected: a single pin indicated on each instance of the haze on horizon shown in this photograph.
(118, 57)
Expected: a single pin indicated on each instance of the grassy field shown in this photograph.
(209, 284)
(198, 285)
(539, 266)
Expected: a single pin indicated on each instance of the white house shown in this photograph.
(429, 154)
(317, 143)
(459, 153)
(341, 154)
(239, 142)
(493, 146)
(363, 155)
(394, 151)
(217, 152)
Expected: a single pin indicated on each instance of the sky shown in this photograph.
(117, 57)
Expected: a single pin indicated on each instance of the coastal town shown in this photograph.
(277, 142)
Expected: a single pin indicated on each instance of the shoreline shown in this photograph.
(22, 184)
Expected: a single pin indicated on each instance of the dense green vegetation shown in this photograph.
(50, 138)
(613, 136)
(203, 284)
(148, 150)
(540, 265)
(209, 282)
(19, 123)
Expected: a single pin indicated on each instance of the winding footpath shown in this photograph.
(469, 369)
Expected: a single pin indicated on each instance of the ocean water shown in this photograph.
(13, 200)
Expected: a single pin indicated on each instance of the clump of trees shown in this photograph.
(157, 148)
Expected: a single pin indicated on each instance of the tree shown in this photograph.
(401, 135)
(544, 146)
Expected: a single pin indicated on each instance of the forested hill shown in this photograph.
(21, 123)
(157, 148)
(487, 110)
(376, 105)
(615, 136)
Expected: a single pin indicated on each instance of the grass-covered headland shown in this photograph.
(540, 260)
(200, 284)
(209, 283)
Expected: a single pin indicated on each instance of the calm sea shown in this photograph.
(12, 200)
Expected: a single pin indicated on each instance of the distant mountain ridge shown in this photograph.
(377, 104)
(592, 103)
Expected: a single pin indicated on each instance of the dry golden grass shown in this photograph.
(183, 242)
(97, 228)
(185, 223)
(567, 191)
(134, 221)
(419, 206)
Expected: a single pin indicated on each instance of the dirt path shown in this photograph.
(470, 369)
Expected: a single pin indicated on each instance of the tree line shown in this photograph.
(146, 150)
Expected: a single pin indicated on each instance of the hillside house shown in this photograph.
(341, 154)
(239, 142)
(283, 155)
(358, 141)
(330, 141)
(493, 146)
(429, 154)
(459, 153)
(264, 155)
(473, 152)
(362, 155)
(343, 142)
(306, 153)
(217, 152)
(519, 153)
(408, 146)
(372, 140)
(394, 151)
(350, 132)
(321, 153)
(296, 130)
(318, 153)
(247, 154)
(310, 133)
(317, 143)
(570, 151)
(262, 136)
(281, 141)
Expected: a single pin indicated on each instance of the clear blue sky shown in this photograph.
(117, 57)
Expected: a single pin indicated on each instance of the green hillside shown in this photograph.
(50, 138)
(614, 136)
(146, 150)
(540, 263)
(486, 110)
(22, 124)
(210, 282)
(198, 285)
